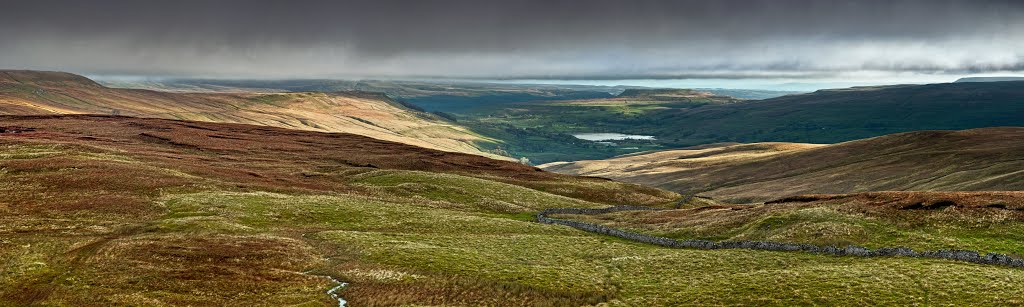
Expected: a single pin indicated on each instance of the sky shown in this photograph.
(724, 43)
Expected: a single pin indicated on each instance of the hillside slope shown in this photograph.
(100, 210)
(968, 160)
(373, 115)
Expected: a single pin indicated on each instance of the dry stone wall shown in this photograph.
(852, 250)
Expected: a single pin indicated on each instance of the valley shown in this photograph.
(541, 131)
(332, 188)
(281, 215)
(528, 152)
(605, 153)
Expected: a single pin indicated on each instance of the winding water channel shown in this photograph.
(333, 292)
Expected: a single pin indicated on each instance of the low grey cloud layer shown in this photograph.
(599, 39)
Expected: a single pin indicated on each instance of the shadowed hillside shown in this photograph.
(369, 114)
(968, 160)
(542, 131)
(837, 115)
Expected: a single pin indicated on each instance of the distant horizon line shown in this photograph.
(753, 83)
(778, 85)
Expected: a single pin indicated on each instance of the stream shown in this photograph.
(333, 292)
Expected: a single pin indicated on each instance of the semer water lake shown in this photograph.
(611, 136)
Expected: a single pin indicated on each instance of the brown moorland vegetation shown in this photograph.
(92, 207)
(101, 210)
(986, 159)
(283, 159)
(374, 115)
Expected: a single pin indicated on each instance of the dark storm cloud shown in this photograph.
(538, 39)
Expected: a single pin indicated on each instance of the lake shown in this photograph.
(611, 136)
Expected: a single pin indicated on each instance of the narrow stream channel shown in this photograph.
(333, 292)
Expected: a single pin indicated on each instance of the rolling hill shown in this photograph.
(235, 214)
(969, 160)
(218, 214)
(369, 114)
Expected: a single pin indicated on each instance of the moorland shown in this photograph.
(221, 214)
(239, 194)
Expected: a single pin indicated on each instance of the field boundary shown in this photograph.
(850, 250)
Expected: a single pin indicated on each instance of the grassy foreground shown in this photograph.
(210, 246)
(75, 232)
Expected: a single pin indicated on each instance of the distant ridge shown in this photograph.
(33, 77)
(675, 95)
(988, 79)
(637, 92)
(838, 115)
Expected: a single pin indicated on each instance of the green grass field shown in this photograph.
(397, 238)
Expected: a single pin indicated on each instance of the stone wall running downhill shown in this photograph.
(852, 250)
